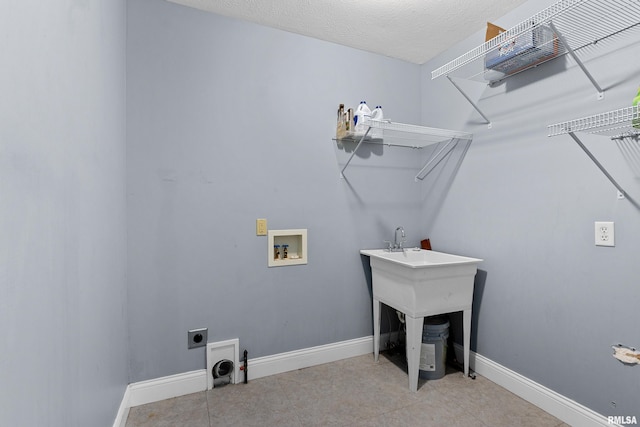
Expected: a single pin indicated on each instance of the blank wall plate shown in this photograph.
(604, 233)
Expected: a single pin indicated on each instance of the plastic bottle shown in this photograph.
(340, 125)
(362, 112)
(636, 102)
(377, 115)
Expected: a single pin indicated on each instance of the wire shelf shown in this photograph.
(579, 23)
(391, 133)
(617, 124)
(406, 135)
(425, 135)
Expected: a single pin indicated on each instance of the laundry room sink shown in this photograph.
(421, 283)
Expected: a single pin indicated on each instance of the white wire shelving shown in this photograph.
(623, 123)
(575, 24)
(616, 124)
(396, 134)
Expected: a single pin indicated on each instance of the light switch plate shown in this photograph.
(261, 227)
(604, 233)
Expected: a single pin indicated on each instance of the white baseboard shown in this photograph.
(123, 410)
(298, 359)
(546, 399)
(144, 392)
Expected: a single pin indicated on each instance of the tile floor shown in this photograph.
(351, 392)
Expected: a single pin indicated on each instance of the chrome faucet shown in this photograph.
(396, 245)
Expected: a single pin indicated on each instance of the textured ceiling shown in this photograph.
(411, 30)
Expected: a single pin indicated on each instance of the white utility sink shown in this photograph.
(421, 283)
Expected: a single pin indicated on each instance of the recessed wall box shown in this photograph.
(287, 247)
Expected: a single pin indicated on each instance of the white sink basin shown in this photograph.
(421, 283)
(419, 258)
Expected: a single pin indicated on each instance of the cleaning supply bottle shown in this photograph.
(636, 103)
(362, 112)
(340, 125)
(377, 115)
(348, 121)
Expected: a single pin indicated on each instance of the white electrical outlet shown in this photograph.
(605, 235)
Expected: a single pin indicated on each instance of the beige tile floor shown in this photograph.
(352, 392)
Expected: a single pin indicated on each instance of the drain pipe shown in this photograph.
(246, 373)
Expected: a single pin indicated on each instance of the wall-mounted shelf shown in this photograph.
(575, 24)
(617, 124)
(395, 134)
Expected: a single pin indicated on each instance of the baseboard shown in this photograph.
(144, 392)
(298, 359)
(546, 399)
(123, 410)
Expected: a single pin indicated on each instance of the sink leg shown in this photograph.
(466, 326)
(376, 328)
(414, 345)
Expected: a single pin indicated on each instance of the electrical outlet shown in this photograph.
(605, 233)
(197, 338)
(261, 227)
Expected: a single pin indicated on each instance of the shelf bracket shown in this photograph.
(473, 104)
(436, 159)
(621, 194)
(578, 61)
(354, 152)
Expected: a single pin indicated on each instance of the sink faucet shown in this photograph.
(397, 244)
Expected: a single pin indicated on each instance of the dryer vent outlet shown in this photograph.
(223, 363)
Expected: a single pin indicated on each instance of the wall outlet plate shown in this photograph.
(604, 233)
(197, 338)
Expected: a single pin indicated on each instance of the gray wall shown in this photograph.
(228, 122)
(63, 352)
(552, 303)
